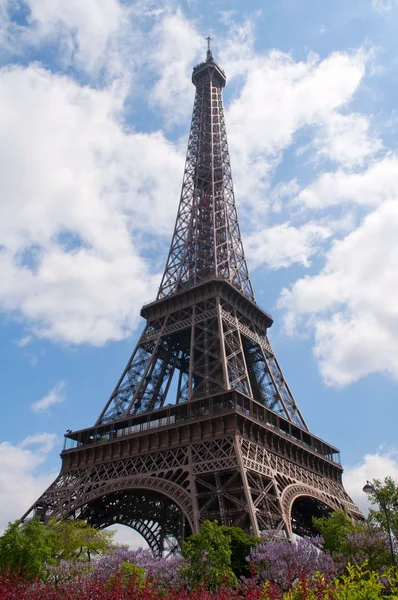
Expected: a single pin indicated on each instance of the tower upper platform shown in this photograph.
(206, 69)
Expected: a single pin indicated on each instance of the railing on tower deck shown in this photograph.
(174, 415)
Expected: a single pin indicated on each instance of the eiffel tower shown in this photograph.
(202, 423)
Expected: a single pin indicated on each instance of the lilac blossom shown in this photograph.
(282, 562)
(68, 570)
(369, 544)
(164, 571)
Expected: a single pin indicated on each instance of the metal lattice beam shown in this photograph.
(206, 242)
(210, 348)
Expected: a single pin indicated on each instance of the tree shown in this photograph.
(76, 539)
(240, 543)
(385, 495)
(25, 549)
(334, 530)
(208, 555)
(353, 542)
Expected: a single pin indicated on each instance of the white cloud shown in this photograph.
(54, 396)
(174, 49)
(77, 189)
(346, 139)
(279, 97)
(373, 466)
(352, 303)
(283, 245)
(21, 482)
(368, 188)
(72, 227)
(91, 34)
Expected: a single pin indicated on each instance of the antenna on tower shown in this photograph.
(209, 55)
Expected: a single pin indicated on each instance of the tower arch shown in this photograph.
(301, 502)
(154, 515)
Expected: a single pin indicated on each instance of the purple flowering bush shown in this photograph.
(165, 571)
(68, 570)
(283, 562)
(367, 544)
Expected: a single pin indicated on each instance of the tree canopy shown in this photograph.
(27, 547)
(385, 494)
(208, 556)
(334, 529)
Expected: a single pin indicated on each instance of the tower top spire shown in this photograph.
(208, 69)
(209, 56)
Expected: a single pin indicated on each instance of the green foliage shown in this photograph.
(354, 542)
(385, 494)
(334, 530)
(127, 572)
(25, 548)
(240, 544)
(389, 579)
(359, 584)
(208, 556)
(72, 538)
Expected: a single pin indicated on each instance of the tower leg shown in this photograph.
(246, 488)
(195, 509)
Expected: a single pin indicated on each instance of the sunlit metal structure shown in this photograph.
(202, 423)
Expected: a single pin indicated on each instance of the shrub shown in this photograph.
(165, 571)
(284, 562)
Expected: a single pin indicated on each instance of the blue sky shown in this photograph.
(96, 103)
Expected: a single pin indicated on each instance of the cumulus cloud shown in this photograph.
(346, 139)
(54, 396)
(86, 27)
(283, 245)
(366, 188)
(352, 303)
(276, 96)
(21, 480)
(82, 201)
(77, 190)
(373, 466)
(281, 96)
(176, 47)
(92, 36)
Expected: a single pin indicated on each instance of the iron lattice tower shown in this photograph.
(202, 423)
